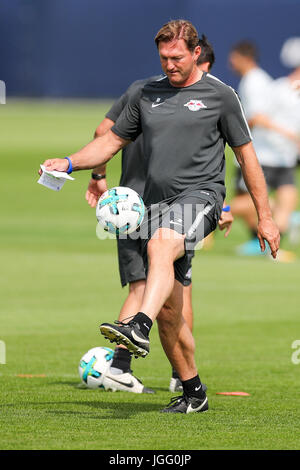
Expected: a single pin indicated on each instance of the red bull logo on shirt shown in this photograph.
(195, 105)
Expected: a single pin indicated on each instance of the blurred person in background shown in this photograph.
(288, 90)
(131, 266)
(276, 140)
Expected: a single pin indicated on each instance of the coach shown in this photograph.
(186, 119)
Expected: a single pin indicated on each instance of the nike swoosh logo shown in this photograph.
(198, 388)
(137, 338)
(129, 385)
(156, 104)
(190, 409)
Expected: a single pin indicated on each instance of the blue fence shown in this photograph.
(96, 48)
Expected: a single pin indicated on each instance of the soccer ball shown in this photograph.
(120, 210)
(93, 366)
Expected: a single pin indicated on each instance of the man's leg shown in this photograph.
(176, 335)
(163, 249)
(120, 376)
(187, 313)
(132, 273)
(187, 309)
(132, 304)
(133, 300)
(179, 346)
(167, 255)
(161, 287)
(286, 200)
(242, 207)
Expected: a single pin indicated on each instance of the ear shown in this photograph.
(197, 52)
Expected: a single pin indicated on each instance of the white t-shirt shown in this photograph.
(284, 110)
(260, 94)
(254, 91)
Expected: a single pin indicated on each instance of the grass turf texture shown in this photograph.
(59, 282)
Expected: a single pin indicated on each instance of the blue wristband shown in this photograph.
(70, 169)
(226, 209)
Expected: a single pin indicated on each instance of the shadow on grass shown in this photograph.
(80, 386)
(117, 409)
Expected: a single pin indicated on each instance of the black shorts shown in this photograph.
(195, 214)
(275, 178)
(131, 262)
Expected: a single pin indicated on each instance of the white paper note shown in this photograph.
(53, 179)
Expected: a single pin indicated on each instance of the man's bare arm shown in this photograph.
(95, 153)
(103, 127)
(255, 182)
(97, 187)
(261, 120)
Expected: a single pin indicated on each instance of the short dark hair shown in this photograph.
(207, 52)
(246, 49)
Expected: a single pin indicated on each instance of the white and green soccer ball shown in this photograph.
(120, 210)
(93, 366)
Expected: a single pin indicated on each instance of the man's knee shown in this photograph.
(166, 243)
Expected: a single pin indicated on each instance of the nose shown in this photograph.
(170, 65)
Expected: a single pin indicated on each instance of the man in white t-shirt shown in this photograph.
(267, 104)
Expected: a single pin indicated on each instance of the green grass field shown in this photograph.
(59, 282)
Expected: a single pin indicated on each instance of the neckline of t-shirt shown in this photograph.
(203, 76)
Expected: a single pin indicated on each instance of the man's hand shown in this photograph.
(58, 164)
(95, 190)
(225, 222)
(268, 231)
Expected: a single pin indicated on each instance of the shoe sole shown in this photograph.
(114, 336)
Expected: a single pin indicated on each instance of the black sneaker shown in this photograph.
(184, 404)
(129, 335)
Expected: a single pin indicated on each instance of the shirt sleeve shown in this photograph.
(117, 108)
(233, 124)
(120, 104)
(128, 124)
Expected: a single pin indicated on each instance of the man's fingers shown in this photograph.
(93, 201)
(91, 198)
(272, 242)
(50, 164)
(261, 242)
(228, 230)
(274, 246)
